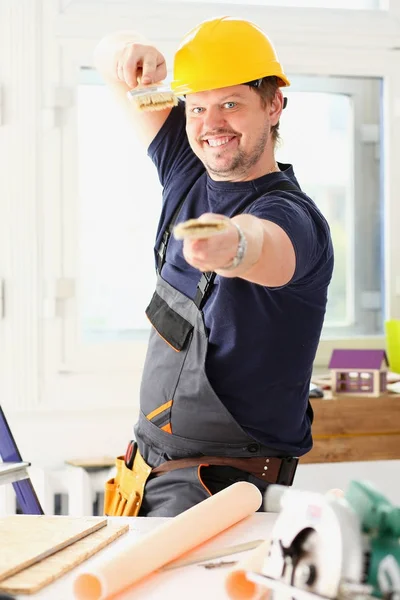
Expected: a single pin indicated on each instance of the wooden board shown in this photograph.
(355, 428)
(26, 539)
(36, 577)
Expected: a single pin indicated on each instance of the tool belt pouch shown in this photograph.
(123, 494)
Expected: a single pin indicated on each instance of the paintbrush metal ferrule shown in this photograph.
(149, 89)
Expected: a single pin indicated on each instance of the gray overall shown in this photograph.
(180, 414)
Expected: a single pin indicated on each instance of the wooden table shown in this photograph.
(354, 428)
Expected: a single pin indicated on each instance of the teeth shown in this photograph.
(219, 142)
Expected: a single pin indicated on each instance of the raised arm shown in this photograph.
(123, 58)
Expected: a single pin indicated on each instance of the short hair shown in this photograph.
(266, 89)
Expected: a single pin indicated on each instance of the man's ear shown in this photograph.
(276, 107)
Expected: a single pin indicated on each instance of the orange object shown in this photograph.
(237, 585)
(171, 540)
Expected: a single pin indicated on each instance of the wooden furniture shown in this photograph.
(355, 429)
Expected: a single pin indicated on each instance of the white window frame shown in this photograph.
(365, 110)
(309, 41)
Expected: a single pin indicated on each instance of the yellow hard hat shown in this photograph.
(223, 52)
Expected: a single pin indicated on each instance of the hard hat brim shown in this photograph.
(182, 89)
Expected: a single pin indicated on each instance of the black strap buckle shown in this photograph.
(204, 288)
(287, 470)
(162, 250)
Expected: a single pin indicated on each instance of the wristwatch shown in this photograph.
(240, 252)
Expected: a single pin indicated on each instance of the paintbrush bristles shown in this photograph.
(155, 101)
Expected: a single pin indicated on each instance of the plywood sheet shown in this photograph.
(26, 539)
(34, 578)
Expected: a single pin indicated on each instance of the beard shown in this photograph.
(240, 162)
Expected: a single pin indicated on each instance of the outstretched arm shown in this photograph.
(269, 258)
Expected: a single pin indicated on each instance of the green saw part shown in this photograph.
(380, 523)
(384, 566)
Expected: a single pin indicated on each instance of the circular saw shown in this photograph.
(327, 547)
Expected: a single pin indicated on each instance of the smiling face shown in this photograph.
(229, 130)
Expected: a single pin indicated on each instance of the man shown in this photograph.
(236, 317)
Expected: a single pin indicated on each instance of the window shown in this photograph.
(382, 381)
(119, 204)
(366, 376)
(330, 132)
(355, 381)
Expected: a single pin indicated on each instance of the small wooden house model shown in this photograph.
(358, 372)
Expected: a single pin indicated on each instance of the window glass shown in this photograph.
(119, 204)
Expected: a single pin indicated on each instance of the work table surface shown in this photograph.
(195, 582)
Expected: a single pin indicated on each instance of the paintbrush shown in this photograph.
(194, 228)
(153, 97)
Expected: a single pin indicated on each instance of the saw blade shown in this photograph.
(309, 564)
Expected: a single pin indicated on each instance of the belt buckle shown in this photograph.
(287, 470)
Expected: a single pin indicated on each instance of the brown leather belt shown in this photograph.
(269, 469)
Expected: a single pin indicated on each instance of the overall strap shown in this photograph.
(207, 279)
(162, 250)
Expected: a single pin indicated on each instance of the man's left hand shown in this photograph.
(213, 253)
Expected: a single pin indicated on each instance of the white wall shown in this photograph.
(383, 474)
(63, 403)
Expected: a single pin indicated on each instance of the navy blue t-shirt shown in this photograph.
(262, 341)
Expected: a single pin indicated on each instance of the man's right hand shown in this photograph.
(140, 63)
(124, 59)
(127, 57)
